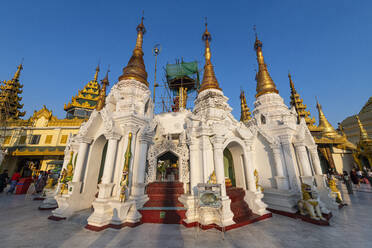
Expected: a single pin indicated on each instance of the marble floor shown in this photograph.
(22, 225)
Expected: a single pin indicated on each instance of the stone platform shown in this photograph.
(22, 225)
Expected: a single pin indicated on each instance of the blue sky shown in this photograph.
(326, 45)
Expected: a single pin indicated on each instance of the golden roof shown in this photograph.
(265, 84)
(9, 97)
(245, 115)
(86, 98)
(297, 102)
(136, 67)
(209, 78)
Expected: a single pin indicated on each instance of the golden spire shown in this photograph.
(264, 82)
(245, 115)
(297, 102)
(136, 66)
(324, 125)
(18, 72)
(102, 93)
(96, 74)
(363, 133)
(209, 78)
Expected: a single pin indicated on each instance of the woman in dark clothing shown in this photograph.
(348, 183)
(354, 178)
(4, 178)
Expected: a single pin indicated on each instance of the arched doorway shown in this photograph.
(94, 166)
(167, 167)
(234, 165)
(229, 168)
(364, 161)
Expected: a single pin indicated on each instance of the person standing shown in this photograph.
(354, 178)
(4, 178)
(13, 182)
(348, 184)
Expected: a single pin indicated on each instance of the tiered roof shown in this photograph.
(10, 106)
(86, 98)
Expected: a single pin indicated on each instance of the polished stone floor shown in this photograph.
(22, 225)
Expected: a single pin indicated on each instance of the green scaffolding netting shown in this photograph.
(180, 70)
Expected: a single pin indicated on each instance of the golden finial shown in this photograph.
(18, 72)
(324, 125)
(363, 133)
(209, 78)
(102, 93)
(136, 67)
(245, 115)
(265, 84)
(96, 74)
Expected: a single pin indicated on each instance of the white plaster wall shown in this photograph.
(264, 162)
(236, 153)
(173, 122)
(343, 161)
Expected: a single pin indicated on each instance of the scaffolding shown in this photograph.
(179, 89)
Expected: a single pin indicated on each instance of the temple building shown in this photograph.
(334, 149)
(358, 129)
(40, 140)
(134, 166)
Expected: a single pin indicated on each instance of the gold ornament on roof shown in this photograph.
(297, 102)
(209, 78)
(136, 67)
(245, 115)
(102, 94)
(265, 84)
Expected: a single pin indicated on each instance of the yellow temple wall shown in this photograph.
(343, 160)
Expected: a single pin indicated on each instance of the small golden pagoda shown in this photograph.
(245, 115)
(297, 102)
(209, 77)
(265, 84)
(85, 101)
(10, 107)
(135, 68)
(364, 147)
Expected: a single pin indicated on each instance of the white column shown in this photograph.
(218, 163)
(290, 162)
(248, 167)
(281, 179)
(315, 159)
(302, 154)
(110, 157)
(82, 154)
(142, 161)
(194, 166)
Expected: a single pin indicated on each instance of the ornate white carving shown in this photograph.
(163, 146)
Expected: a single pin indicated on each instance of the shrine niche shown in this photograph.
(177, 157)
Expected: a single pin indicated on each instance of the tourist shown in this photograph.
(348, 184)
(369, 176)
(354, 178)
(4, 178)
(13, 182)
(41, 182)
